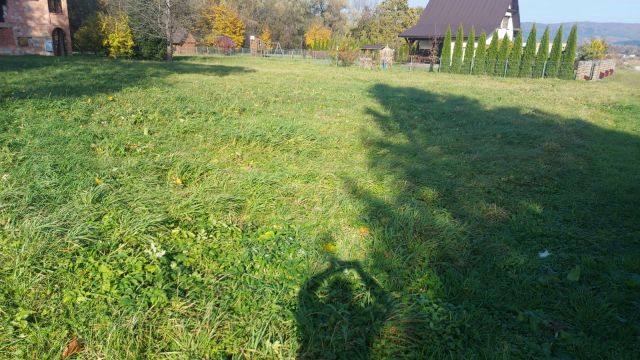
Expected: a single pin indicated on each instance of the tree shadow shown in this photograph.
(340, 312)
(72, 77)
(472, 195)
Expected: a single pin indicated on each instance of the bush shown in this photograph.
(529, 55)
(480, 61)
(542, 57)
(503, 55)
(89, 37)
(569, 56)
(445, 58)
(515, 57)
(492, 54)
(456, 62)
(596, 49)
(151, 49)
(470, 52)
(117, 35)
(344, 51)
(555, 59)
(224, 42)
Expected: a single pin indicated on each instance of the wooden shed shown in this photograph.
(376, 55)
(258, 47)
(183, 42)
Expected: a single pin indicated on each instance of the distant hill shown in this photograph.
(614, 33)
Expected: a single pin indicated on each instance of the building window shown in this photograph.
(3, 10)
(55, 6)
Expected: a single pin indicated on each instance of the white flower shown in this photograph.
(155, 251)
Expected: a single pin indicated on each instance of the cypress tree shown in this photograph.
(555, 59)
(543, 56)
(469, 52)
(529, 55)
(569, 57)
(456, 63)
(503, 55)
(492, 54)
(480, 60)
(445, 58)
(515, 57)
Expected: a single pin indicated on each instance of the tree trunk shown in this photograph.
(169, 29)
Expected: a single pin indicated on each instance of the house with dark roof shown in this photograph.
(501, 16)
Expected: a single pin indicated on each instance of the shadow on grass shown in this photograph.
(332, 320)
(474, 194)
(71, 77)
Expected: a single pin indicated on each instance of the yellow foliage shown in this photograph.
(266, 37)
(330, 248)
(596, 49)
(117, 35)
(316, 35)
(225, 21)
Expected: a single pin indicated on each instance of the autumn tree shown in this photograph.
(480, 60)
(555, 59)
(317, 36)
(225, 21)
(515, 57)
(266, 37)
(331, 13)
(596, 49)
(384, 23)
(445, 56)
(529, 54)
(543, 56)
(456, 62)
(117, 35)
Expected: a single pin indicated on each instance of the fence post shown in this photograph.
(506, 65)
(473, 64)
(544, 69)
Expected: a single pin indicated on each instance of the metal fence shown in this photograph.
(491, 68)
(296, 54)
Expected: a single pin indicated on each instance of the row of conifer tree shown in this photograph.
(507, 59)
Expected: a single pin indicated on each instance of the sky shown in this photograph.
(555, 11)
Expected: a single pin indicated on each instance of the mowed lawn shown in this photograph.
(252, 208)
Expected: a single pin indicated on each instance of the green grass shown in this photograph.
(257, 208)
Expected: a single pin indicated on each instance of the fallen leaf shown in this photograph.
(364, 231)
(330, 248)
(99, 181)
(73, 347)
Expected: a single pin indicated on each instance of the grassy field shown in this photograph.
(251, 208)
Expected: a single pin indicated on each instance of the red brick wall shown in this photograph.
(31, 19)
(6, 38)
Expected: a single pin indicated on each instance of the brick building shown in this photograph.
(34, 27)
